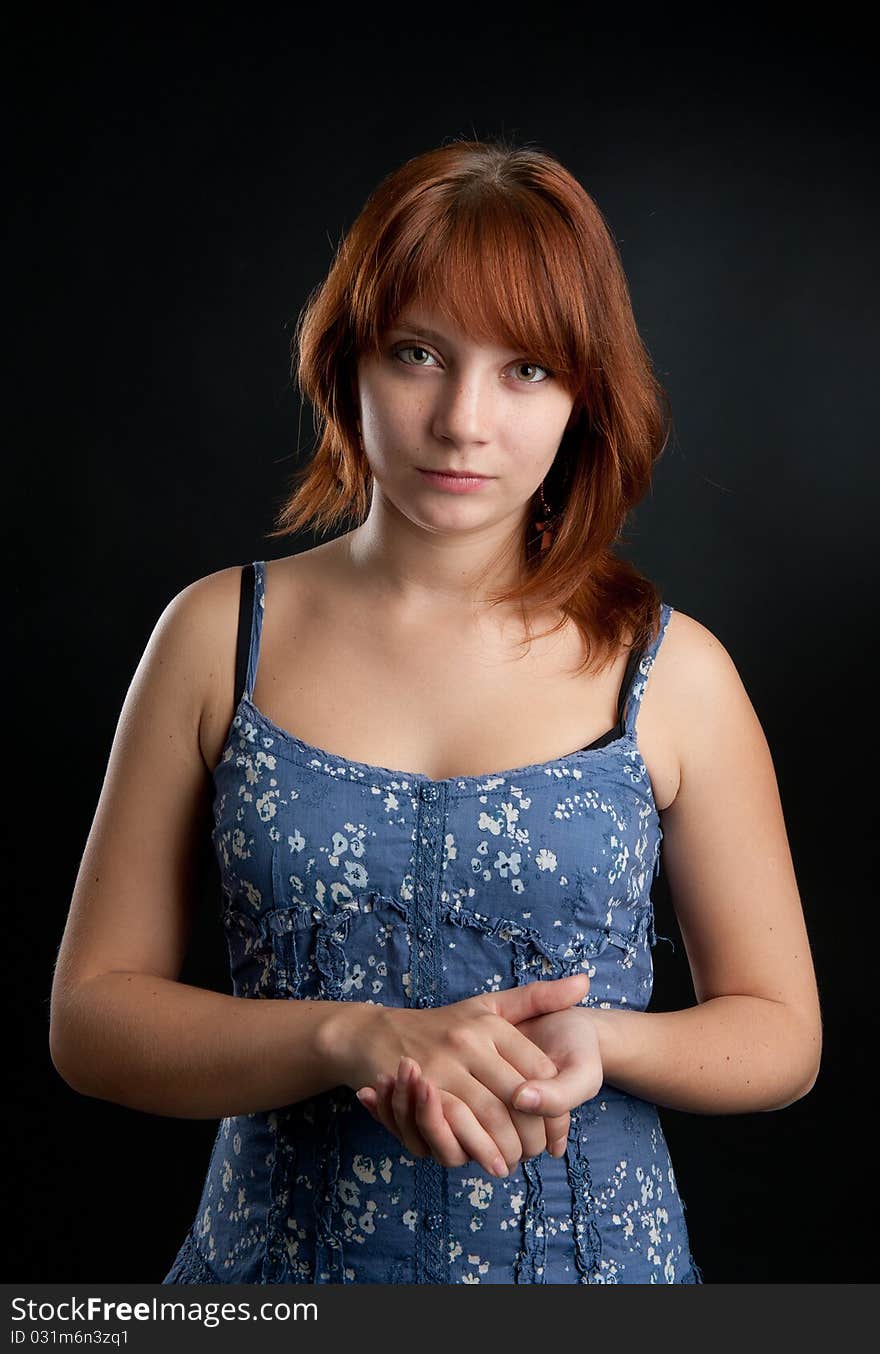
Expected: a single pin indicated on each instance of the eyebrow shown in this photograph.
(424, 330)
(419, 329)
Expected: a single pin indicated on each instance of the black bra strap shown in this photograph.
(245, 619)
(631, 668)
(617, 732)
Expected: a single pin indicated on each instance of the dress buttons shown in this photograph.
(423, 1000)
(426, 934)
(429, 792)
(434, 1222)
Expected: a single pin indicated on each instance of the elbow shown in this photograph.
(69, 1052)
(808, 1057)
(62, 1061)
(815, 1068)
(58, 1062)
(794, 1096)
(813, 1052)
(60, 1040)
(808, 1086)
(801, 1088)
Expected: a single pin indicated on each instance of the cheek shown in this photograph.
(538, 453)
(539, 426)
(391, 426)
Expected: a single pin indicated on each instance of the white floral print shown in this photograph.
(349, 882)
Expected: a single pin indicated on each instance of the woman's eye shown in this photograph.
(412, 348)
(418, 349)
(533, 366)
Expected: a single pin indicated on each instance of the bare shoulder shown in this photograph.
(691, 661)
(204, 615)
(205, 602)
(696, 686)
(209, 609)
(193, 645)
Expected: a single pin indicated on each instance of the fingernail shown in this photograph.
(499, 1166)
(527, 1100)
(360, 1096)
(557, 1148)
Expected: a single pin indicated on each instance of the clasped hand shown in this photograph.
(458, 1092)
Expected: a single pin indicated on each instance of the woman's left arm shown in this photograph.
(754, 1039)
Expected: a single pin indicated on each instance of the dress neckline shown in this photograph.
(322, 761)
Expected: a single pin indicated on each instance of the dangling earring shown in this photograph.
(548, 522)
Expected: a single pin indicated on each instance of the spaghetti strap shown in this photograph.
(638, 671)
(250, 629)
(243, 643)
(259, 574)
(627, 687)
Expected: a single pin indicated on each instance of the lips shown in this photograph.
(455, 474)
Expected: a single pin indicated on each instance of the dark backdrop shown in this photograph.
(177, 190)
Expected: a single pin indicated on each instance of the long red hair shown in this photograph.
(507, 243)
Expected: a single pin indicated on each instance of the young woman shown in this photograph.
(440, 751)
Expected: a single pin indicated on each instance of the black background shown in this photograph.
(177, 188)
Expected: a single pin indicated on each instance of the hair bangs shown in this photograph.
(505, 243)
(486, 269)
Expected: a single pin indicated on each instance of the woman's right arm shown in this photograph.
(122, 1027)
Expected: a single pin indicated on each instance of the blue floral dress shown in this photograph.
(344, 881)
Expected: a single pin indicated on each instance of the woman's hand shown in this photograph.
(571, 1039)
(421, 1116)
(474, 1056)
(411, 1108)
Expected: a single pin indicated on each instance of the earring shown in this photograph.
(548, 522)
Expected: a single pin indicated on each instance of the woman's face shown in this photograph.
(434, 400)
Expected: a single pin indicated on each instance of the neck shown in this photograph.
(420, 572)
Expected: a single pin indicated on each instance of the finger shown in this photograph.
(368, 1098)
(487, 1095)
(500, 1069)
(389, 1119)
(477, 1144)
(537, 998)
(575, 1082)
(384, 1086)
(488, 1090)
(403, 1108)
(533, 1142)
(522, 1053)
(434, 1128)
(489, 1117)
(557, 1129)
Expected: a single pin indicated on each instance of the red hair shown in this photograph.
(505, 242)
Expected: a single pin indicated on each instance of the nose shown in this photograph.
(464, 411)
